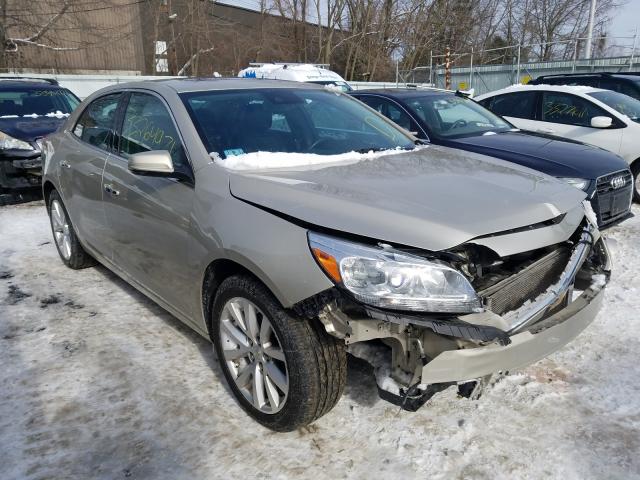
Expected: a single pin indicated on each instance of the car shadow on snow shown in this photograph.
(361, 383)
(204, 346)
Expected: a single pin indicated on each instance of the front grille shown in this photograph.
(613, 201)
(510, 293)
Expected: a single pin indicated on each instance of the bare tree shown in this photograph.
(57, 26)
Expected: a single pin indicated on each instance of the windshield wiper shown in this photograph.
(372, 149)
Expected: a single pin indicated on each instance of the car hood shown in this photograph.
(30, 128)
(552, 155)
(433, 198)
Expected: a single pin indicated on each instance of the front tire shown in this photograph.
(285, 372)
(64, 236)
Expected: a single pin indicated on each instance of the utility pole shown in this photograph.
(592, 14)
(3, 34)
(447, 69)
(471, 71)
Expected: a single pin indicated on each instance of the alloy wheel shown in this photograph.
(254, 356)
(61, 230)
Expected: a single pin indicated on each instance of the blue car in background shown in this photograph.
(454, 120)
(30, 109)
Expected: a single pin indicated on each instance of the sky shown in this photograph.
(626, 18)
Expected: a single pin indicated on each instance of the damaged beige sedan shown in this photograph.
(289, 223)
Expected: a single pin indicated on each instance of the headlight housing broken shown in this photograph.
(388, 278)
(7, 142)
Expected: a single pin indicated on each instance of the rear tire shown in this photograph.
(635, 170)
(71, 252)
(312, 364)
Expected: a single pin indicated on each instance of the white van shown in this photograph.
(297, 72)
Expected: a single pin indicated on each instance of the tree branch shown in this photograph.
(193, 57)
(47, 26)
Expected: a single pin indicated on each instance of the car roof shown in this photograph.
(624, 75)
(183, 85)
(576, 89)
(26, 82)
(404, 92)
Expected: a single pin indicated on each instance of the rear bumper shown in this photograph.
(525, 348)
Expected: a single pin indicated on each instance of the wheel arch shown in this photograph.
(47, 188)
(216, 272)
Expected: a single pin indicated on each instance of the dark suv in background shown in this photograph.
(30, 109)
(627, 82)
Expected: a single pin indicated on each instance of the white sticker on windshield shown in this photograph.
(231, 152)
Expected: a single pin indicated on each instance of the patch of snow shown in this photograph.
(284, 160)
(598, 281)
(32, 115)
(9, 116)
(589, 212)
(57, 114)
(379, 357)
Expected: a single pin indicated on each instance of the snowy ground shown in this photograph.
(98, 382)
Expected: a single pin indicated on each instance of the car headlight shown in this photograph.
(7, 142)
(388, 278)
(579, 183)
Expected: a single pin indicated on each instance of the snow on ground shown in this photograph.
(98, 382)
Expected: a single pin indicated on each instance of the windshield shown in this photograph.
(235, 122)
(451, 116)
(30, 101)
(622, 103)
(344, 86)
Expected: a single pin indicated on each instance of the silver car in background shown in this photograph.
(454, 265)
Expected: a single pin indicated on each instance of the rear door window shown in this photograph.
(96, 124)
(392, 111)
(517, 105)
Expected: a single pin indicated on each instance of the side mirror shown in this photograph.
(154, 161)
(601, 122)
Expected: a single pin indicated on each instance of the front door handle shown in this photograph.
(109, 189)
(548, 131)
(65, 164)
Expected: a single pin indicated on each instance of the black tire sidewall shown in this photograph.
(294, 412)
(78, 258)
(635, 170)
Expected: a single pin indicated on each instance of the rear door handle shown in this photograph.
(65, 164)
(546, 130)
(110, 190)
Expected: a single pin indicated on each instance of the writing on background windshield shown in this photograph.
(624, 104)
(453, 116)
(322, 122)
(49, 102)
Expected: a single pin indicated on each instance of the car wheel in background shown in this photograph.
(64, 236)
(635, 169)
(284, 371)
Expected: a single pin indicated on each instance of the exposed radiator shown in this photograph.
(510, 293)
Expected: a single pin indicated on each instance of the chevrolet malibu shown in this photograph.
(290, 224)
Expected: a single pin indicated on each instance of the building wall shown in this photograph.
(102, 39)
(124, 36)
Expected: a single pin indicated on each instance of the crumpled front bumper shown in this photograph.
(535, 335)
(525, 348)
(20, 169)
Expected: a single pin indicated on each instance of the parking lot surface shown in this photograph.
(98, 382)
